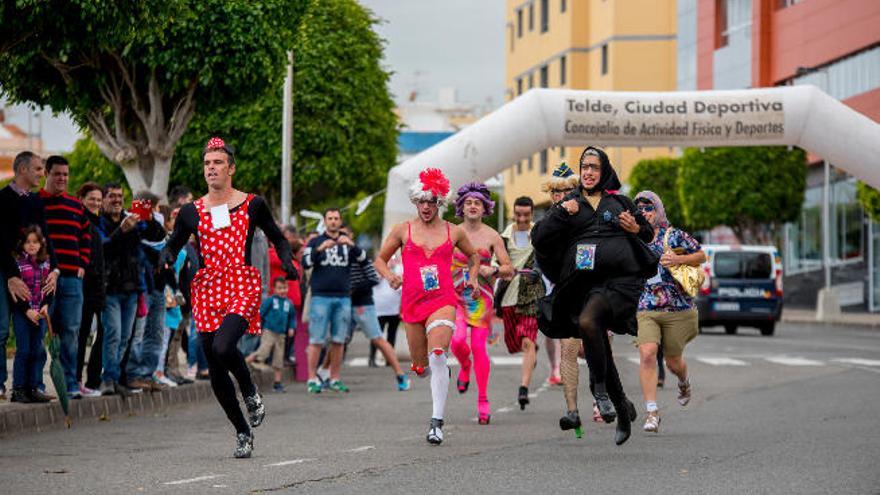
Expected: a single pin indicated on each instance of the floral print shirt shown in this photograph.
(662, 292)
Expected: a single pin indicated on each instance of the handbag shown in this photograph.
(689, 278)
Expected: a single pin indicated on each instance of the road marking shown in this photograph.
(634, 360)
(289, 463)
(722, 361)
(793, 361)
(507, 360)
(505, 409)
(858, 361)
(361, 449)
(194, 480)
(358, 362)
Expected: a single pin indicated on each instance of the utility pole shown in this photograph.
(287, 144)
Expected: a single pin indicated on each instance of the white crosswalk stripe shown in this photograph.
(722, 361)
(793, 361)
(858, 361)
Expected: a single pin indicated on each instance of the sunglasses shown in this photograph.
(561, 191)
(645, 208)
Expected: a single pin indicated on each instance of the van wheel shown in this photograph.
(730, 329)
(767, 329)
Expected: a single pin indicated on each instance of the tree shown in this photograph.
(87, 163)
(744, 188)
(134, 72)
(345, 136)
(660, 175)
(869, 199)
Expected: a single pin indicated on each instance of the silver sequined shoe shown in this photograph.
(256, 409)
(244, 445)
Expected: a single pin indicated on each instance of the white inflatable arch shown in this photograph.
(802, 116)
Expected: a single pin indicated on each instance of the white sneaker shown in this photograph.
(87, 392)
(652, 422)
(323, 374)
(164, 380)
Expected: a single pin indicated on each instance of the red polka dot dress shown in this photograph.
(225, 283)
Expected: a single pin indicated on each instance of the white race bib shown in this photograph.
(220, 217)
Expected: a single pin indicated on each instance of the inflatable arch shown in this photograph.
(802, 116)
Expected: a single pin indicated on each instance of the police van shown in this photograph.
(743, 287)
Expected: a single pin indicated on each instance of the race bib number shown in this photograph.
(585, 257)
(656, 279)
(430, 278)
(220, 217)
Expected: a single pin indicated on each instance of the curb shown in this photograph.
(32, 418)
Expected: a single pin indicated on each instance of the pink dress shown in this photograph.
(479, 310)
(427, 280)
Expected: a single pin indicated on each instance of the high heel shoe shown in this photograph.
(483, 412)
(462, 386)
(603, 402)
(624, 422)
(523, 398)
(571, 421)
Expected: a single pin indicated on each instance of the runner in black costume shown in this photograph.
(586, 302)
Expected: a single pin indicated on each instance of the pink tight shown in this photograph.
(462, 352)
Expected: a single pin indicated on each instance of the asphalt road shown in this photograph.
(795, 413)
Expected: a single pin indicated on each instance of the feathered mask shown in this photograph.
(474, 190)
(432, 184)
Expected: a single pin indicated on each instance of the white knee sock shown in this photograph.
(439, 381)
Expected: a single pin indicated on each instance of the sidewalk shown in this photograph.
(29, 418)
(809, 316)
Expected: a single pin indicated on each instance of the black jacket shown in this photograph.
(621, 261)
(95, 279)
(18, 213)
(121, 251)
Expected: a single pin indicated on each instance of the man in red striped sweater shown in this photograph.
(69, 234)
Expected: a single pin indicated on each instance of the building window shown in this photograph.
(519, 86)
(562, 70)
(519, 23)
(731, 16)
(605, 59)
(847, 77)
(531, 165)
(562, 152)
(519, 168)
(545, 15)
(531, 80)
(781, 4)
(543, 162)
(531, 17)
(544, 77)
(562, 6)
(510, 30)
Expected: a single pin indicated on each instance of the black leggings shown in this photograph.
(221, 349)
(93, 377)
(593, 323)
(392, 321)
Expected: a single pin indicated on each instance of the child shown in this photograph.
(28, 319)
(278, 318)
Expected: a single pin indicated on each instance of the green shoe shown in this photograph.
(314, 388)
(338, 386)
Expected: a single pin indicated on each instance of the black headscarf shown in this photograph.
(608, 180)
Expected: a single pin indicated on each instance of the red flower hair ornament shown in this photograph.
(432, 184)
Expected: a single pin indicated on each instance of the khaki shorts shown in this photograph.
(672, 329)
(271, 342)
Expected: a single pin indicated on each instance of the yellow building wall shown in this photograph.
(640, 36)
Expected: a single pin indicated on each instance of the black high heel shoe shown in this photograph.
(523, 398)
(624, 422)
(603, 402)
(462, 386)
(571, 421)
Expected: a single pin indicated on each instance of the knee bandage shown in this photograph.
(439, 323)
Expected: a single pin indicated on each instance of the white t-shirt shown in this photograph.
(386, 299)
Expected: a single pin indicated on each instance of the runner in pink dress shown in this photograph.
(428, 299)
(474, 315)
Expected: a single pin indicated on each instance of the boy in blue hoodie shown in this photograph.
(278, 318)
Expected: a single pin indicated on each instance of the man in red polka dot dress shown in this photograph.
(226, 290)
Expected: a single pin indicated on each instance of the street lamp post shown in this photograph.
(287, 143)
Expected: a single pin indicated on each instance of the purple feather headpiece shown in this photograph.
(474, 190)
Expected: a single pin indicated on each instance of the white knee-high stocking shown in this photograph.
(439, 381)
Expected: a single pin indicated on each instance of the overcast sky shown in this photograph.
(430, 44)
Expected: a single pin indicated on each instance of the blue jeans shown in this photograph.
(329, 315)
(4, 331)
(30, 355)
(66, 314)
(196, 355)
(118, 319)
(364, 317)
(144, 356)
